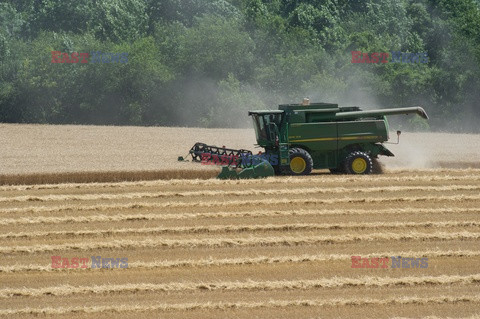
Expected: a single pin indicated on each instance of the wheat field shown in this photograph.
(69, 153)
(280, 247)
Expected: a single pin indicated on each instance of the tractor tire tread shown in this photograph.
(306, 156)
(349, 159)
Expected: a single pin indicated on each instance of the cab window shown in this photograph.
(260, 127)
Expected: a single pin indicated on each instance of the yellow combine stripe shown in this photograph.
(345, 138)
(316, 139)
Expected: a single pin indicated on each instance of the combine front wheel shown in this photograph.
(301, 162)
(358, 163)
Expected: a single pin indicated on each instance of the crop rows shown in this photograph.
(396, 177)
(239, 214)
(66, 290)
(250, 248)
(238, 193)
(249, 260)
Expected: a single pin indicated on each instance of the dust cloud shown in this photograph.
(434, 150)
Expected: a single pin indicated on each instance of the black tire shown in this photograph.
(377, 167)
(358, 163)
(302, 162)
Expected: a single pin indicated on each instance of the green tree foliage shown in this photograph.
(215, 47)
(120, 20)
(206, 62)
(10, 20)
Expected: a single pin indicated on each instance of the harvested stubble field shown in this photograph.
(279, 247)
(274, 248)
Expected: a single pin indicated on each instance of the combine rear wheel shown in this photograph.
(301, 162)
(358, 163)
(377, 167)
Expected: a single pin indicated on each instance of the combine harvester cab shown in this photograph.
(300, 137)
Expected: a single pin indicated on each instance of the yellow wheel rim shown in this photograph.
(359, 165)
(298, 165)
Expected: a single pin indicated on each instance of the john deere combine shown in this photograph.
(300, 137)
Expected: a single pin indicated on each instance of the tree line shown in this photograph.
(207, 62)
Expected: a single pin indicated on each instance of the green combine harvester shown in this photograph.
(300, 137)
